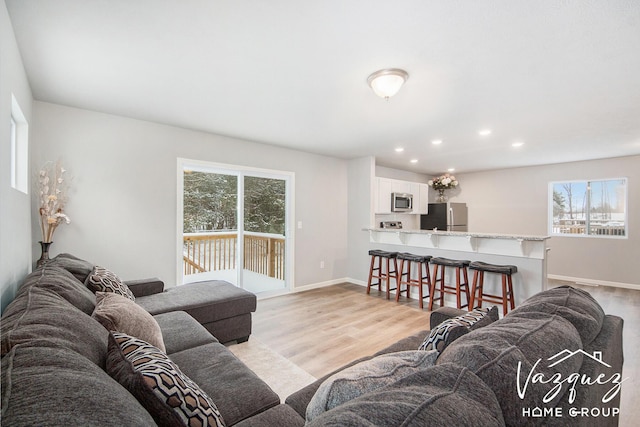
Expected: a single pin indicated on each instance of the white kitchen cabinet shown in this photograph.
(383, 192)
(386, 186)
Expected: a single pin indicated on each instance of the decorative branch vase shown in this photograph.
(44, 257)
(441, 196)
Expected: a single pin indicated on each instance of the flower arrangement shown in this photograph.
(441, 183)
(53, 189)
(444, 182)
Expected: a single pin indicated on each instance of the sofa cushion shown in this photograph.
(171, 397)
(61, 282)
(281, 416)
(43, 318)
(181, 331)
(54, 386)
(365, 377)
(104, 280)
(74, 265)
(207, 302)
(442, 395)
(448, 331)
(575, 305)
(519, 343)
(236, 389)
(117, 313)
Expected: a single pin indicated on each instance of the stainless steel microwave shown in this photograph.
(401, 202)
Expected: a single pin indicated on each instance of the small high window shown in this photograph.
(19, 148)
(589, 208)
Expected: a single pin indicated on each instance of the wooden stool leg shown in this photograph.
(400, 282)
(432, 291)
(373, 259)
(512, 300)
(504, 294)
(420, 285)
(481, 292)
(473, 289)
(466, 286)
(458, 300)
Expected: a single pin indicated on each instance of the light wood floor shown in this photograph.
(322, 329)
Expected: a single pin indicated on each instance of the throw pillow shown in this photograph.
(120, 314)
(103, 280)
(171, 397)
(367, 376)
(452, 329)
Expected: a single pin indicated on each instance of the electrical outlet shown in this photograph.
(321, 264)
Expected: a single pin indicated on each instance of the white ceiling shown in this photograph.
(560, 76)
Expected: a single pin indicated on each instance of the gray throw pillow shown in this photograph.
(117, 313)
(452, 329)
(365, 377)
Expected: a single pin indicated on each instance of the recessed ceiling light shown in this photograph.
(399, 150)
(436, 142)
(517, 144)
(484, 132)
(451, 170)
(414, 160)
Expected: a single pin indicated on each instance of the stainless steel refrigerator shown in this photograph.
(445, 217)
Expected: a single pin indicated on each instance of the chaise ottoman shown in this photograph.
(222, 308)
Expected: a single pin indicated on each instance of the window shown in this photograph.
(589, 208)
(19, 148)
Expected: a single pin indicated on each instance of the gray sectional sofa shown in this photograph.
(54, 355)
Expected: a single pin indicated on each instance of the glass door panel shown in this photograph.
(263, 234)
(210, 227)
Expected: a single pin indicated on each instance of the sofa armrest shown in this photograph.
(444, 313)
(143, 287)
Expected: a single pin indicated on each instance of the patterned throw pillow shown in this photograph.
(103, 280)
(171, 397)
(452, 329)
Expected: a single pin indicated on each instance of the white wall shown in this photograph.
(15, 208)
(514, 201)
(123, 199)
(360, 207)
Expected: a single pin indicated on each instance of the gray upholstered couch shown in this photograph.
(54, 353)
(475, 379)
(54, 356)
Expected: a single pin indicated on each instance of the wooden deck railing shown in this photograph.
(595, 230)
(263, 253)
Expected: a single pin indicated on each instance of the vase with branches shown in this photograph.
(53, 187)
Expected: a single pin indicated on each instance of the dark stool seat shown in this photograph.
(477, 289)
(461, 285)
(405, 278)
(384, 268)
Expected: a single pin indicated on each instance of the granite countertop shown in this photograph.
(459, 234)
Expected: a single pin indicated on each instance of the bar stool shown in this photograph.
(384, 275)
(439, 265)
(423, 276)
(507, 298)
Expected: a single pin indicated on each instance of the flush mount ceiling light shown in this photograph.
(386, 83)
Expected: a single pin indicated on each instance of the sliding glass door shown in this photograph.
(235, 226)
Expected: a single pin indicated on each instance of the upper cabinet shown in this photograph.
(386, 186)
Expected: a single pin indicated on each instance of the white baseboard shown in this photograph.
(591, 282)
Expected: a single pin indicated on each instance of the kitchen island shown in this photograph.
(528, 253)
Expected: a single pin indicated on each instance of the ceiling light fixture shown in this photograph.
(517, 144)
(484, 132)
(386, 83)
(414, 160)
(399, 150)
(436, 142)
(451, 170)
